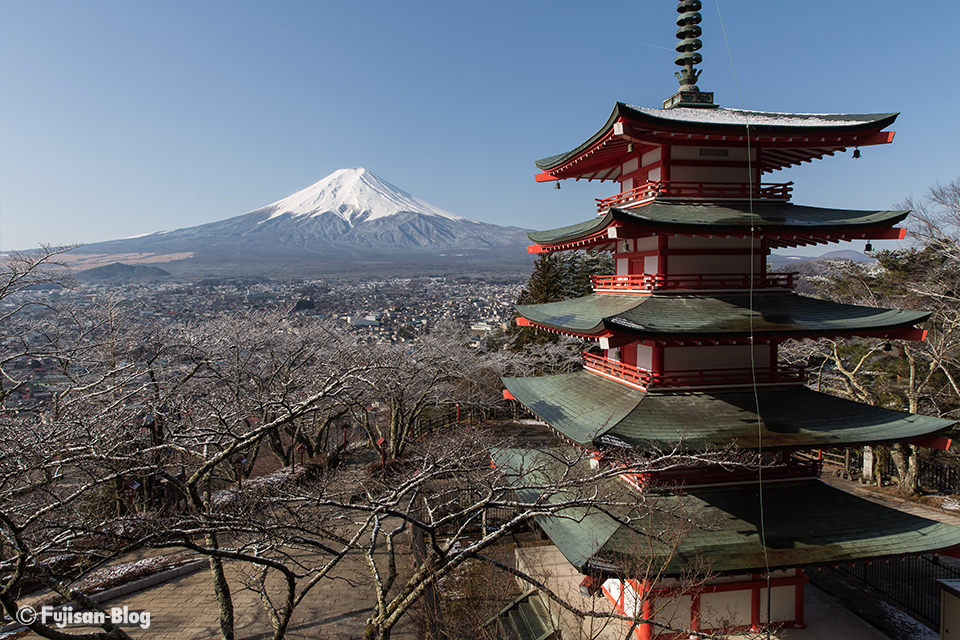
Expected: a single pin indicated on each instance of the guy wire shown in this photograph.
(753, 364)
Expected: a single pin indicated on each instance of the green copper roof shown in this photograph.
(572, 232)
(675, 316)
(727, 120)
(587, 407)
(579, 405)
(805, 523)
(709, 218)
(526, 618)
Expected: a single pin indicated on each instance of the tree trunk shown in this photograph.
(221, 589)
(907, 462)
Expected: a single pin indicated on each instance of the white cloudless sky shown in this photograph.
(120, 118)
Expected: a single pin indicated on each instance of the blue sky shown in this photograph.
(119, 118)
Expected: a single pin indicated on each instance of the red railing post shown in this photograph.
(695, 190)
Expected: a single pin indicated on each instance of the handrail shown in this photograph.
(667, 189)
(692, 378)
(712, 475)
(677, 282)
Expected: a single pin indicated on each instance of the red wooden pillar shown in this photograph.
(798, 602)
(662, 247)
(665, 163)
(645, 630)
(757, 169)
(755, 603)
(695, 612)
(656, 360)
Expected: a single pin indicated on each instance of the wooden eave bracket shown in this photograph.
(523, 322)
(933, 442)
(507, 395)
(881, 137)
(891, 233)
(907, 333)
(545, 177)
(618, 230)
(950, 552)
(599, 238)
(613, 341)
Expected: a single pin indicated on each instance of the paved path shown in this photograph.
(185, 608)
(880, 497)
(337, 608)
(827, 619)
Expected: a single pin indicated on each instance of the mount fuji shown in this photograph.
(351, 220)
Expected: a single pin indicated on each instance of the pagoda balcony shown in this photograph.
(645, 379)
(649, 283)
(715, 475)
(697, 191)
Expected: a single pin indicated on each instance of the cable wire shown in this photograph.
(753, 363)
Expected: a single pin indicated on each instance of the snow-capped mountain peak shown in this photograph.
(355, 195)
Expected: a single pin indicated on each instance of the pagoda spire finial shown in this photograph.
(689, 35)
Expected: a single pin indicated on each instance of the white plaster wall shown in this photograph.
(644, 357)
(714, 357)
(711, 264)
(700, 242)
(623, 266)
(673, 611)
(613, 588)
(626, 185)
(650, 264)
(782, 604)
(646, 244)
(725, 609)
(737, 154)
(630, 166)
(710, 174)
(651, 156)
(631, 604)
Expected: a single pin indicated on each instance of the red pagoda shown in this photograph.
(688, 330)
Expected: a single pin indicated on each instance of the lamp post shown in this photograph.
(383, 457)
(238, 463)
(130, 491)
(301, 449)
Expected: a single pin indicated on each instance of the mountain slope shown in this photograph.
(123, 272)
(351, 214)
(356, 196)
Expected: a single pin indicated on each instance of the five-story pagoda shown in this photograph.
(688, 330)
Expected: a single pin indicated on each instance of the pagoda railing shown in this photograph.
(692, 378)
(714, 475)
(708, 191)
(650, 282)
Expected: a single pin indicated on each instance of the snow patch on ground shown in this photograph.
(917, 630)
(260, 484)
(121, 574)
